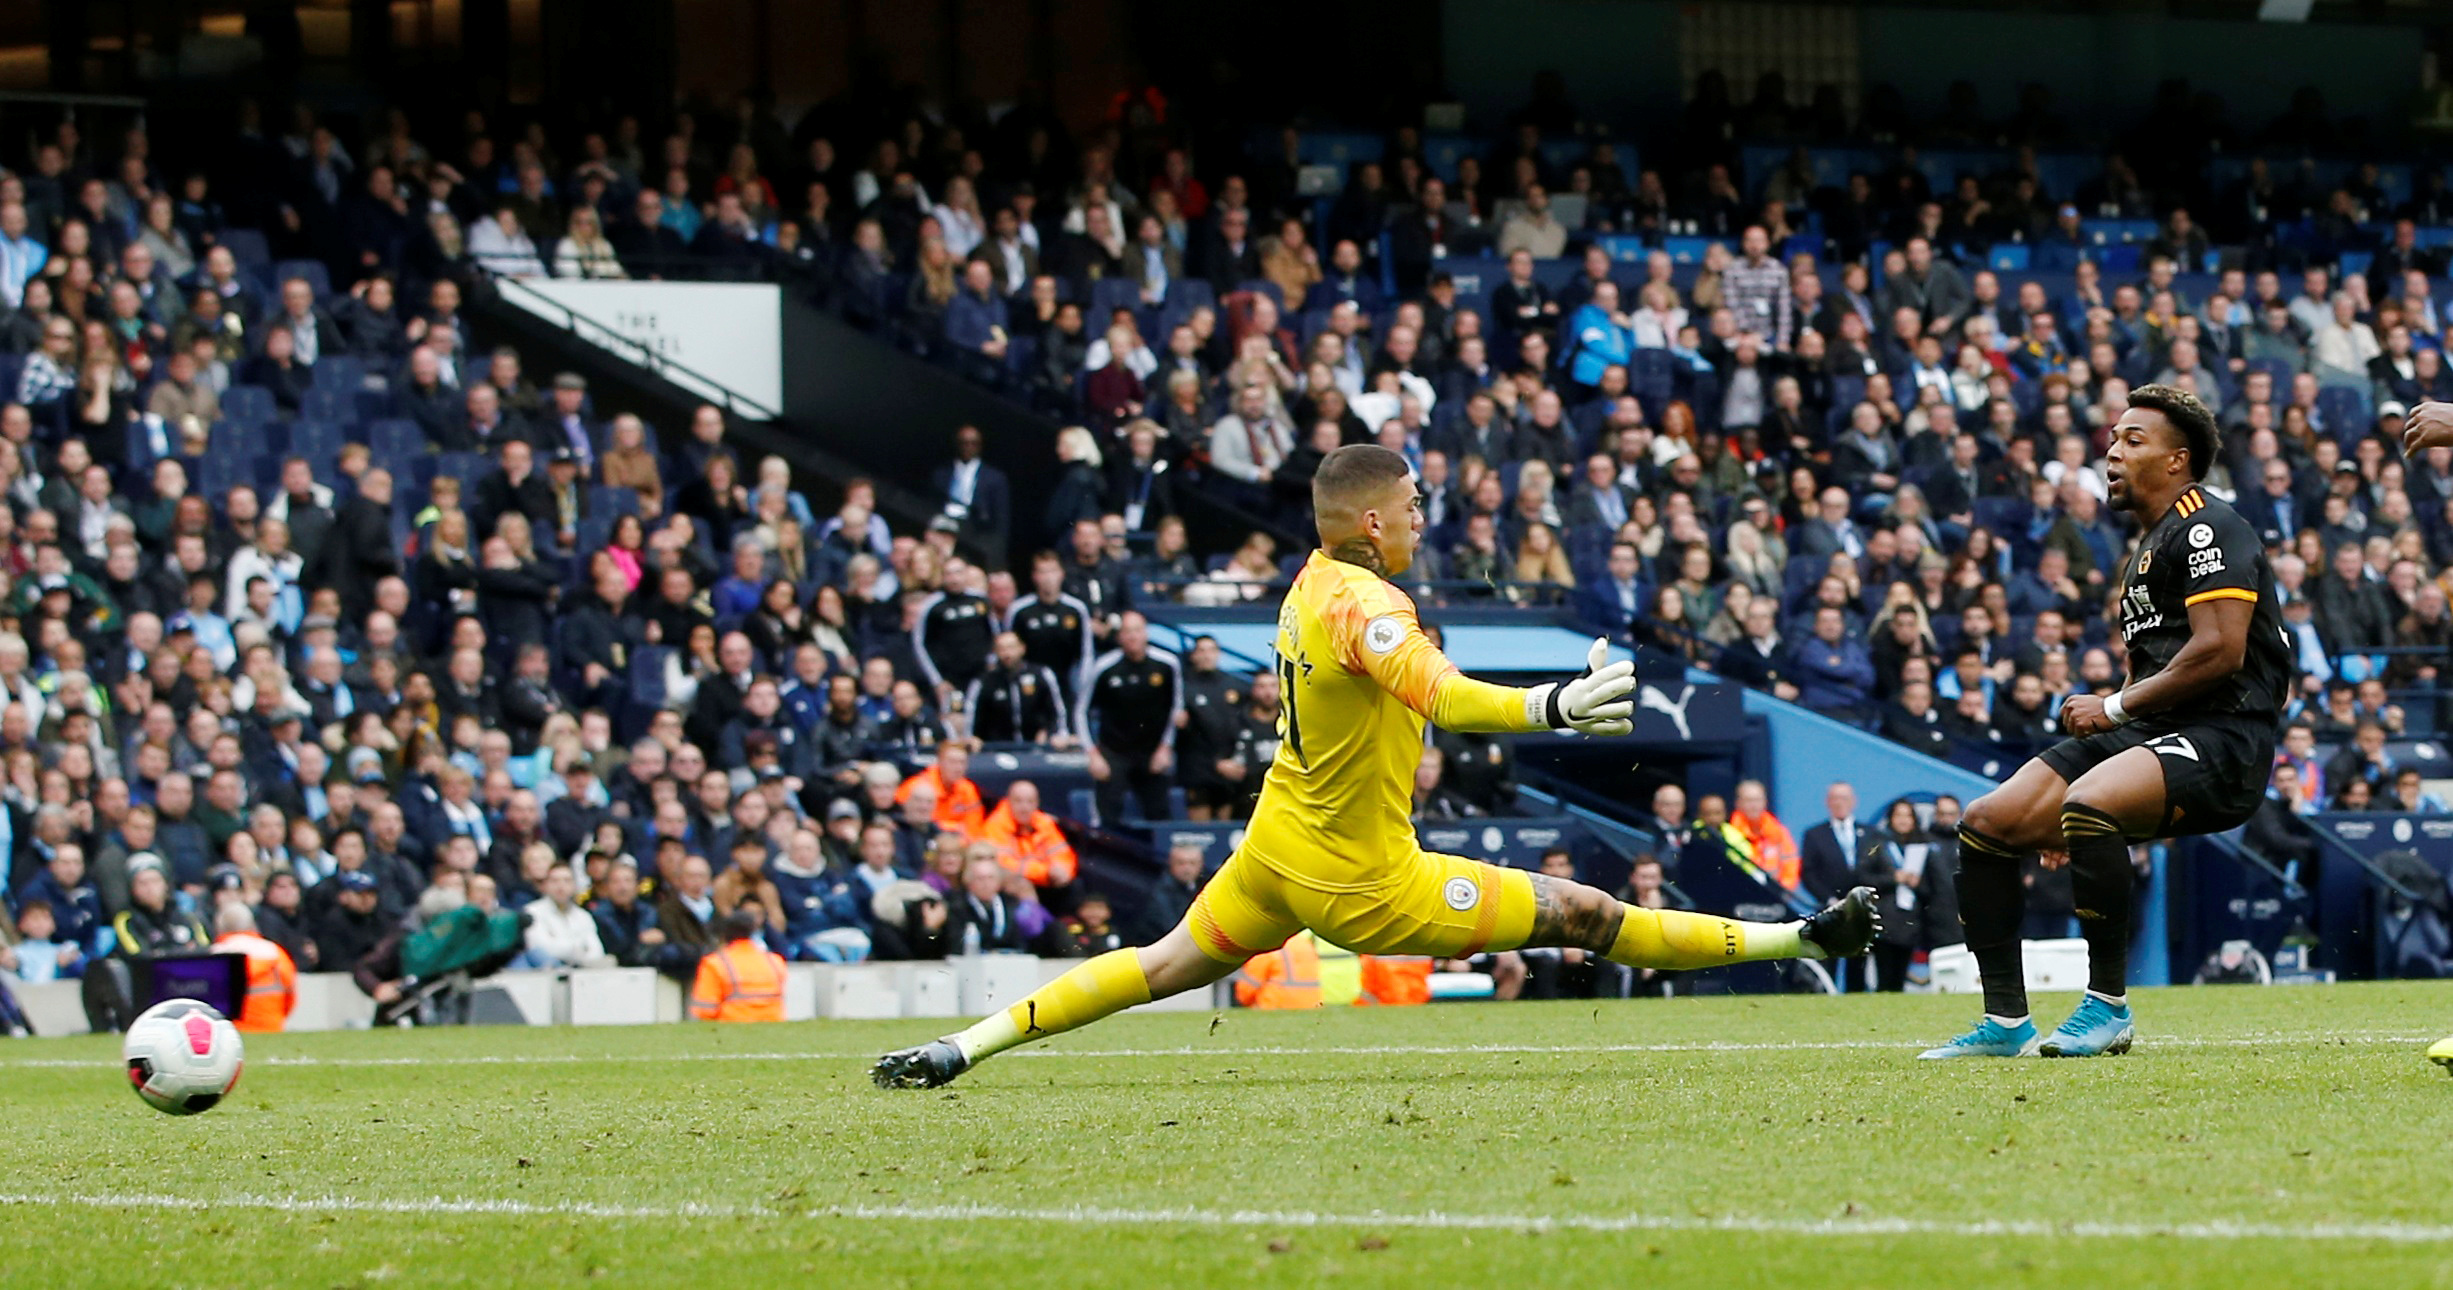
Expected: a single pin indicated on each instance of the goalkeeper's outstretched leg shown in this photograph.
(1232, 921)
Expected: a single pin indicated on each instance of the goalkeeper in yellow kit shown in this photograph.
(1331, 845)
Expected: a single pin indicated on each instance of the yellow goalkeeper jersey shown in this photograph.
(1359, 679)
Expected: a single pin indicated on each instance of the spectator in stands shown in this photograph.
(1532, 228)
(985, 918)
(500, 245)
(1835, 676)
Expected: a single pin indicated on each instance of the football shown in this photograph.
(183, 1056)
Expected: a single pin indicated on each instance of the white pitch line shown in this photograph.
(1252, 1050)
(1430, 1220)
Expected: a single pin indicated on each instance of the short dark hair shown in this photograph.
(1354, 469)
(2188, 416)
(742, 923)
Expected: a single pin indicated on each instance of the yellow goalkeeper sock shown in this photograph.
(1669, 938)
(1102, 986)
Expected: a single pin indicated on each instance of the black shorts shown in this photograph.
(2215, 768)
(1214, 793)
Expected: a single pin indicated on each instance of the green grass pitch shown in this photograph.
(2257, 1137)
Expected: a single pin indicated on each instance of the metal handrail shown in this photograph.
(639, 353)
(2327, 840)
(2238, 846)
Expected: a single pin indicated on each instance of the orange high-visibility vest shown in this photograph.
(741, 982)
(1396, 982)
(1038, 851)
(272, 982)
(958, 804)
(1287, 977)
(1772, 849)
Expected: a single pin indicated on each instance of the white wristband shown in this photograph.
(2112, 710)
(1537, 705)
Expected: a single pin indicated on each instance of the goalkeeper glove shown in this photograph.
(1595, 702)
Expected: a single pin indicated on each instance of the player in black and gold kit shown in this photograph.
(2182, 749)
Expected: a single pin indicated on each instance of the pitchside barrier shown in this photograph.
(961, 987)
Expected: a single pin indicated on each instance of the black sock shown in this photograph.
(1992, 904)
(2103, 888)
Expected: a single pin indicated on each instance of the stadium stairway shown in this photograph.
(821, 463)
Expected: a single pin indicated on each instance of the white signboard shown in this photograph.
(711, 338)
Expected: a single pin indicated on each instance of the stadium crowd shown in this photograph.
(321, 611)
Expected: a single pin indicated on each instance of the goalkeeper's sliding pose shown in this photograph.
(1331, 846)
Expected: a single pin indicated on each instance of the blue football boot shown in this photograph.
(1990, 1038)
(2097, 1029)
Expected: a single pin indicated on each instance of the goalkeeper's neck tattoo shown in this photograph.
(1360, 551)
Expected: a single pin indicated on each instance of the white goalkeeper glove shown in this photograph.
(1595, 702)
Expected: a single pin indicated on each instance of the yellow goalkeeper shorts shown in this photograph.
(1441, 905)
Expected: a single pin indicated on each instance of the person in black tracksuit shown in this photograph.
(151, 927)
(953, 639)
(1212, 711)
(1127, 716)
(1054, 627)
(1017, 701)
(1256, 743)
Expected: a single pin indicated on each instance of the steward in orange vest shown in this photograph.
(1028, 840)
(1285, 978)
(1396, 982)
(272, 979)
(744, 981)
(958, 800)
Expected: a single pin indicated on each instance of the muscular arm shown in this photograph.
(2218, 643)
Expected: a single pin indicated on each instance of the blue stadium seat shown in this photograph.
(312, 270)
(596, 530)
(250, 406)
(2345, 411)
(340, 372)
(1269, 289)
(339, 407)
(216, 473)
(141, 455)
(2007, 257)
(317, 441)
(395, 440)
(1797, 582)
(646, 681)
(1108, 295)
(248, 247)
(467, 467)
(2000, 514)
(609, 501)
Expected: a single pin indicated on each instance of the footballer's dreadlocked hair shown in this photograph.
(2189, 417)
